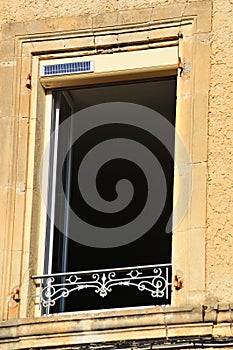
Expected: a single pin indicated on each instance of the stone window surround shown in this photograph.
(22, 50)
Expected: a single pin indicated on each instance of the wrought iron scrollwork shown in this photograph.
(154, 279)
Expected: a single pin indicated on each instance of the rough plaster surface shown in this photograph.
(219, 243)
(219, 253)
(32, 9)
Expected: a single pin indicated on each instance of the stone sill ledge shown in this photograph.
(118, 325)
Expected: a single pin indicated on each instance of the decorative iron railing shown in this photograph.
(153, 279)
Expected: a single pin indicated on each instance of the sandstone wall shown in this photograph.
(219, 239)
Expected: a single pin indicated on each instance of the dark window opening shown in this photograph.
(152, 248)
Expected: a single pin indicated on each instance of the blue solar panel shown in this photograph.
(67, 68)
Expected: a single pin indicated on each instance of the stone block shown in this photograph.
(4, 201)
(106, 40)
(224, 316)
(181, 317)
(158, 34)
(107, 19)
(7, 49)
(11, 29)
(13, 310)
(80, 23)
(202, 11)
(223, 330)
(6, 145)
(196, 261)
(129, 38)
(199, 329)
(210, 314)
(142, 15)
(22, 149)
(7, 68)
(15, 277)
(202, 63)
(19, 212)
(200, 128)
(198, 201)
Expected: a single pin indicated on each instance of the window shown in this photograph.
(132, 271)
(156, 56)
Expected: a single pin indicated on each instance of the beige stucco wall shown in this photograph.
(28, 9)
(219, 243)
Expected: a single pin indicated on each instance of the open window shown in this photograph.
(126, 60)
(98, 276)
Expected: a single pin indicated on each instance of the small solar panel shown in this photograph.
(67, 68)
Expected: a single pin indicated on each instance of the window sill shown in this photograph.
(115, 326)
